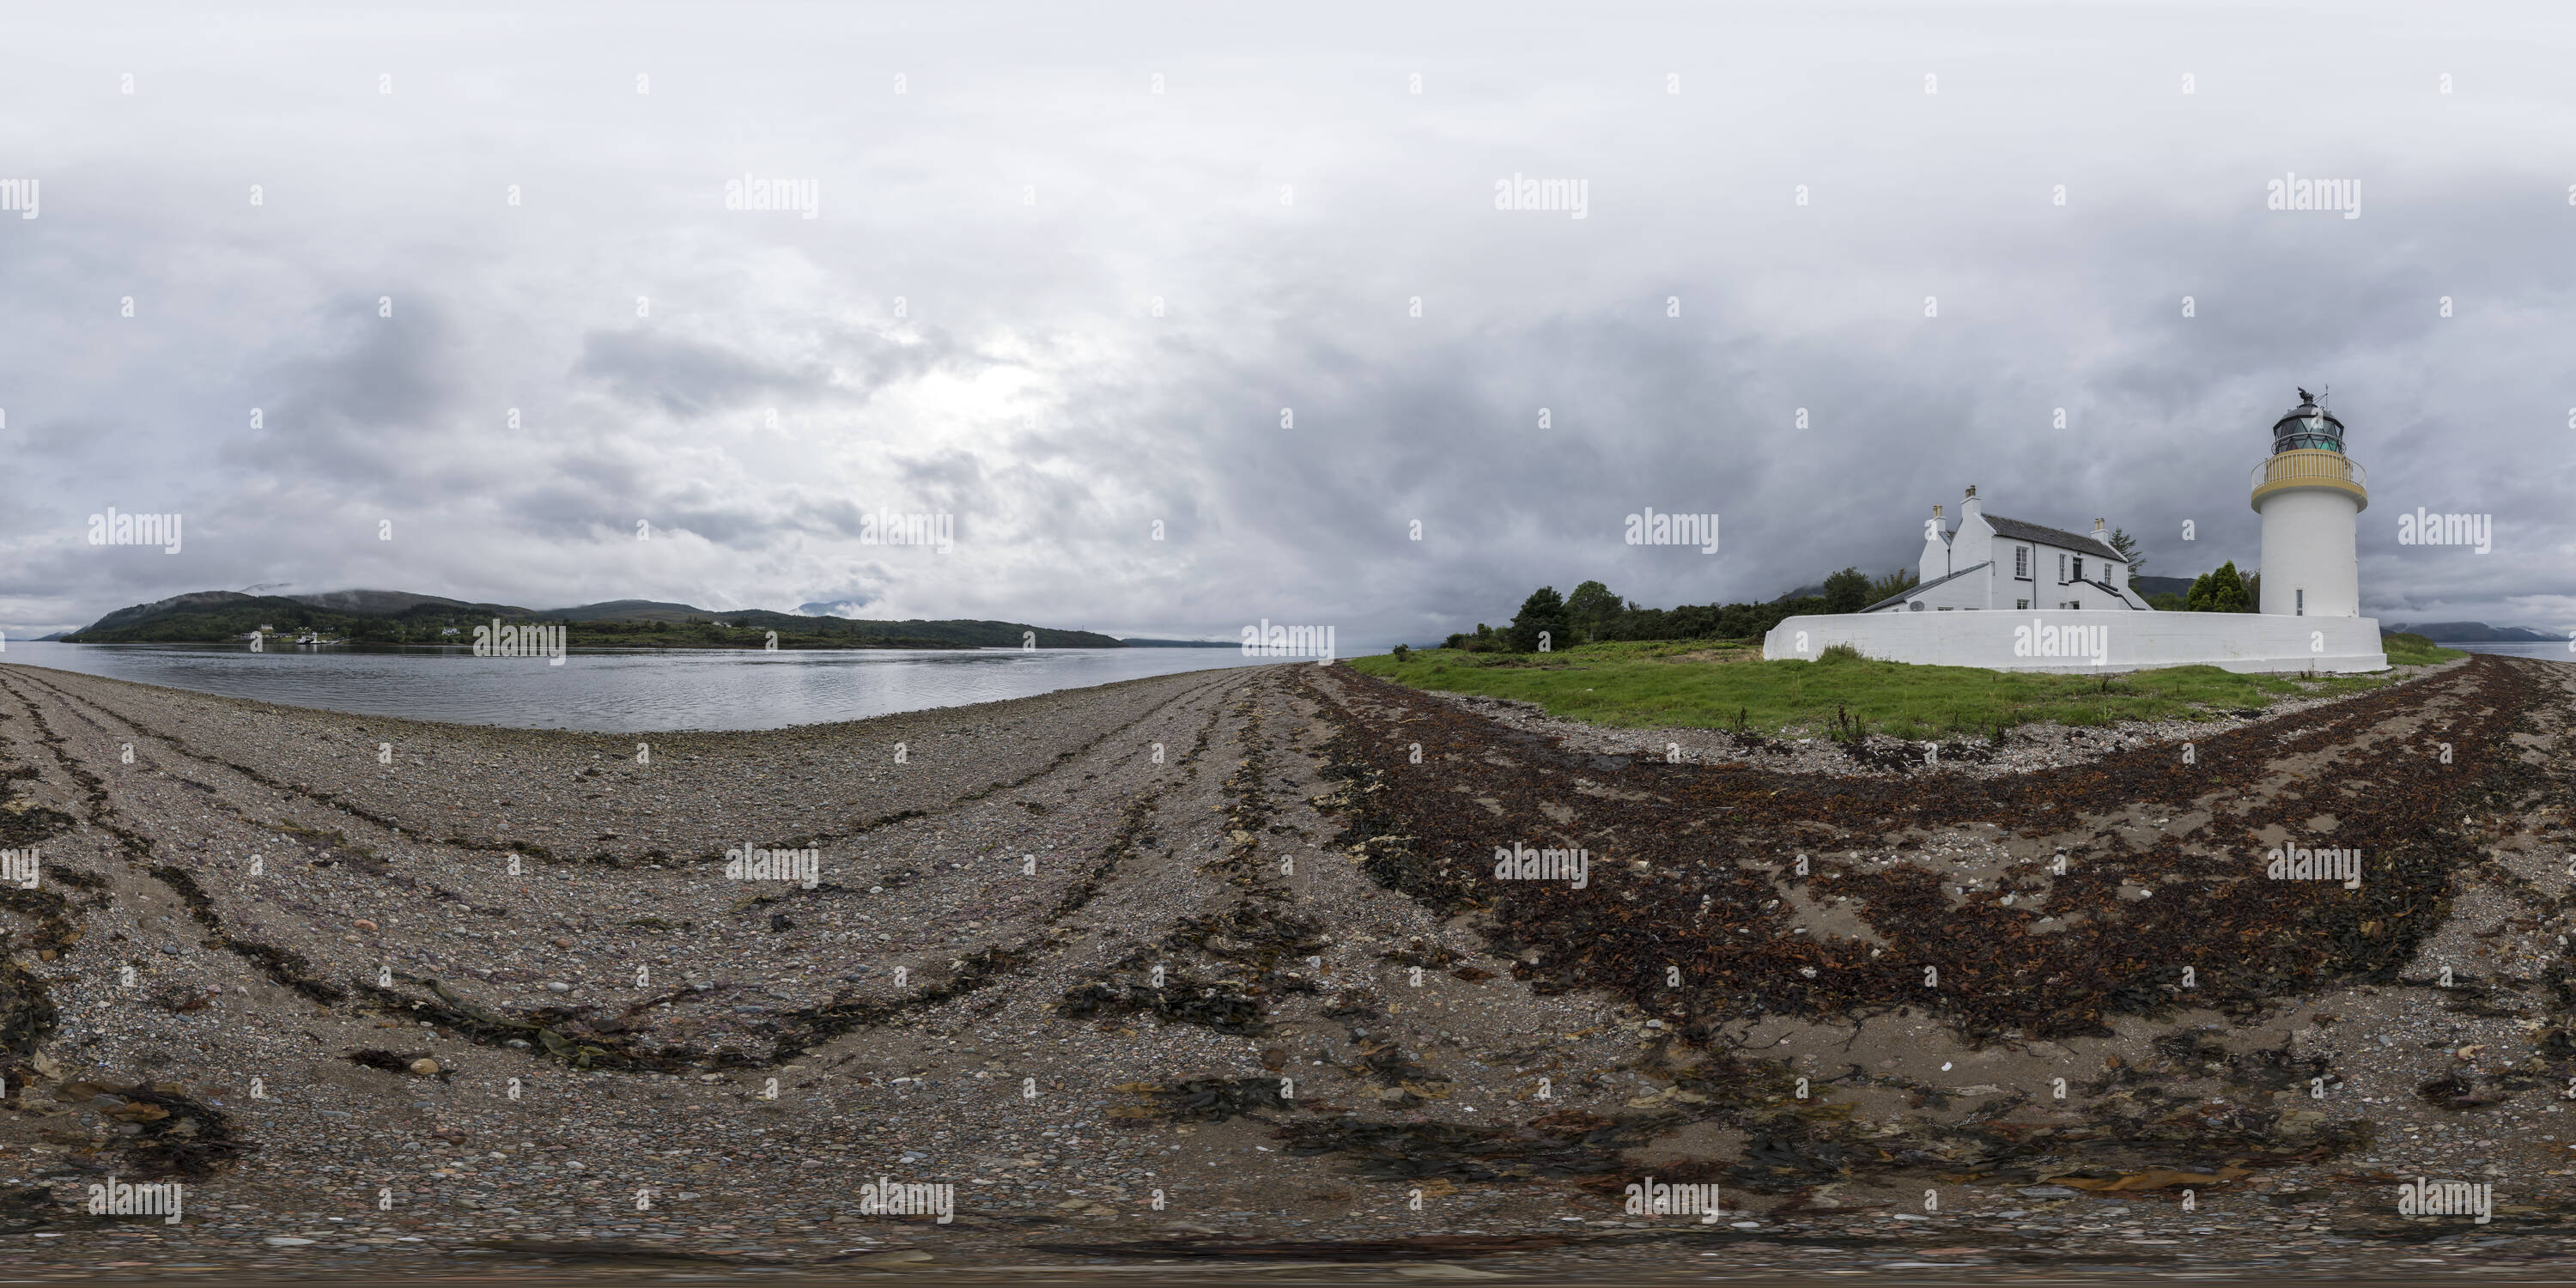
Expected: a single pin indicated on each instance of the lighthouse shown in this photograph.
(2311, 497)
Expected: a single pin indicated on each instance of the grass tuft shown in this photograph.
(1726, 685)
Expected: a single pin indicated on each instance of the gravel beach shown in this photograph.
(1210, 974)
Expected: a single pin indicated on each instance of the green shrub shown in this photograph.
(1847, 591)
(1839, 653)
(2222, 591)
(1543, 613)
(2406, 648)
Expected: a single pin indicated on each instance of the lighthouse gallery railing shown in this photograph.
(2310, 464)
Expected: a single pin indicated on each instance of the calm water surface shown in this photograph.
(624, 692)
(2555, 652)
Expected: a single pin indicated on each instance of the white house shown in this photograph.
(1994, 562)
(2014, 596)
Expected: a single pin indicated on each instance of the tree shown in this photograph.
(1543, 611)
(2218, 592)
(2128, 547)
(1893, 584)
(2253, 592)
(1847, 591)
(1591, 608)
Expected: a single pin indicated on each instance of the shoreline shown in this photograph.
(607, 697)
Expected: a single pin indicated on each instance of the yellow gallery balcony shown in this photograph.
(2310, 467)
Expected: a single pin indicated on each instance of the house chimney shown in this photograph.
(1970, 508)
(2097, 527)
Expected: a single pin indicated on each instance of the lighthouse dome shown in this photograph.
(2307, 426)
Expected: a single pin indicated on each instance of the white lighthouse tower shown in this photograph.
(2311, 497)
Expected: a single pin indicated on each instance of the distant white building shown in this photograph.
(1990, 562)
(2023, 597)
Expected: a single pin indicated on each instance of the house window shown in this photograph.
(2061, 567)
(2021, 565)
(2303, 603)
(2021, 603)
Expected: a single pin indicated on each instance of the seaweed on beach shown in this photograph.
(389, 1061)
(281, 965)
(27, 1015)
(176, 1134)
(24, 823)
(1182, 999)
(56, 930)
(803, 1029)
(1249, 935)
(1203, 1100)
(1671, 890)
(1431, 957)
(1568, 1143)
(564, 1035)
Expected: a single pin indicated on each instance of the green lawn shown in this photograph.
(1701, 684)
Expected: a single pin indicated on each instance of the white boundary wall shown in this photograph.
(2090, 641)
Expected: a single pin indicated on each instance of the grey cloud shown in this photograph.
(1032, 393)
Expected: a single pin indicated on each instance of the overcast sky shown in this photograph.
(1013, 175)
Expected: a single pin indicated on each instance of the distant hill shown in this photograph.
(391, 603)
(2473, 633)
(1144, 643)
(628, 610)
(914, 633)
(401, 617)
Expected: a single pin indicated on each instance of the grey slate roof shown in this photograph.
(1911, 591)
(2018, 530)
